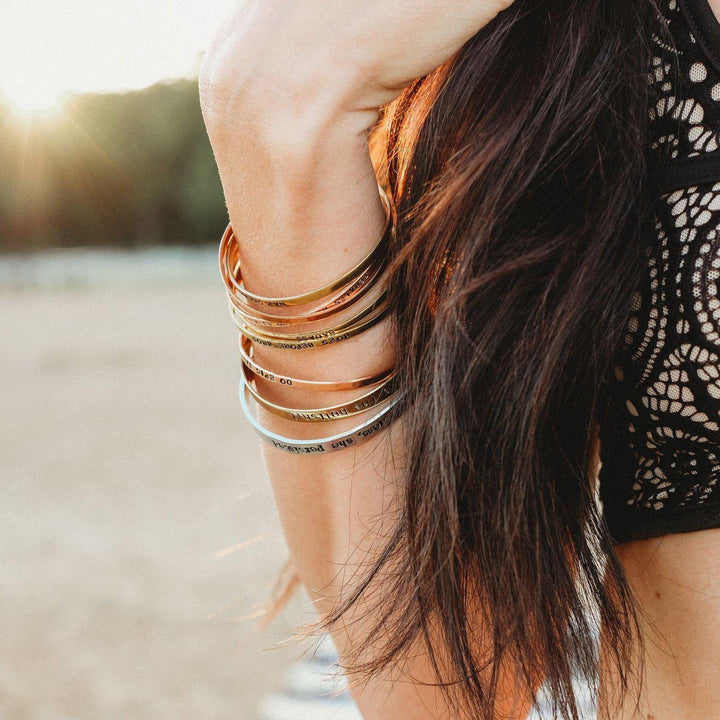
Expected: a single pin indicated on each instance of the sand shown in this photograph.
(138, 536)
(138, 527)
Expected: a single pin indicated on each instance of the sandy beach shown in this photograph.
(139, 533)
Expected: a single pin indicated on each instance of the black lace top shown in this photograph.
(660, 439)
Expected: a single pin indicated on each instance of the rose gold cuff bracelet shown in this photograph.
(361, 404)
(311, 341)
(321, 385)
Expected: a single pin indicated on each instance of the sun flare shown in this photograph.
(34, 103)
(52, 48)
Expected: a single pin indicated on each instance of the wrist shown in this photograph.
(284, 105)
(302, 137)
(304, 208)
(293, 159)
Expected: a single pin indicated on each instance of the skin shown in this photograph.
(289, 91)
(675, 580)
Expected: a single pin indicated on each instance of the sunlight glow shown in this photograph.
(32, 103)
(49, 48)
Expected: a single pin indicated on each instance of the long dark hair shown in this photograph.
(524, 191)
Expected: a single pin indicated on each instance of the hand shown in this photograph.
(356, 56)
(289, 89)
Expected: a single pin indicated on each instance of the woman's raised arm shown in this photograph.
(290, 91)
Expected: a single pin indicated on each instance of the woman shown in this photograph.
(553, 314)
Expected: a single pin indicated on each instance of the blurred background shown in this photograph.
(139, 536)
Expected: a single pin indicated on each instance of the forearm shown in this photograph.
(302, 219)
(304, 203)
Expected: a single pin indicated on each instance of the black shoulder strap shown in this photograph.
(704, 27)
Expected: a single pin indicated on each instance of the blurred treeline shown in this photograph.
(110, 169)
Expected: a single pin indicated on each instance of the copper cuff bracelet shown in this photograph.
(321, 385)
(357, 405)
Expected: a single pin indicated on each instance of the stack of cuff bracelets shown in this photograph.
(342, 314)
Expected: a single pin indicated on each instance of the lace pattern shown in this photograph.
(660, 437)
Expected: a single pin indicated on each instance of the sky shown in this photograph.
(49, 48)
